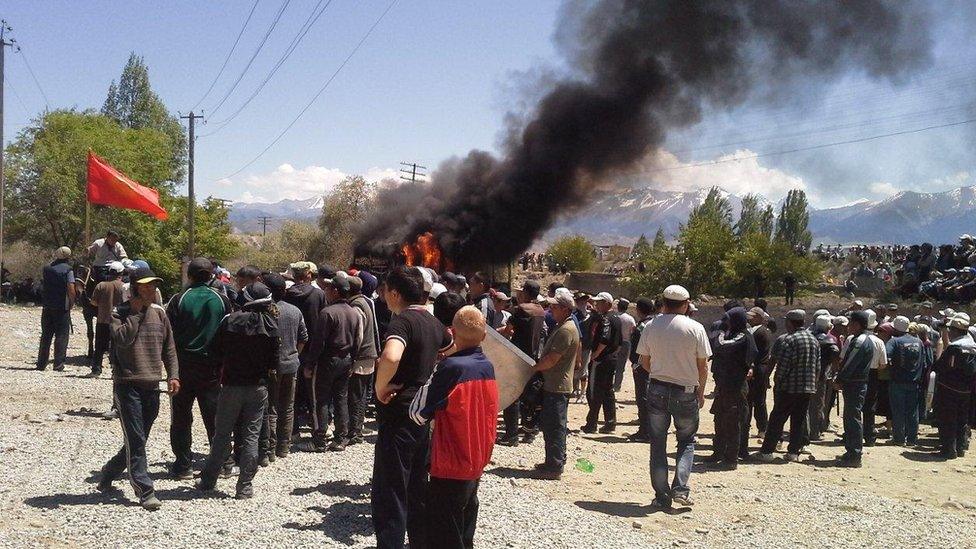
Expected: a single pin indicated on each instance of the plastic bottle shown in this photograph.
(584, 465)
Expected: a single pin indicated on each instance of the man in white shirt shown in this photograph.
(627, 325)
(879, 361)
(674, 350)
(105, 251)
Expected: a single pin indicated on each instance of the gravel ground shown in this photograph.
(52, 443)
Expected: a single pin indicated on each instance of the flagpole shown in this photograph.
(87, 222)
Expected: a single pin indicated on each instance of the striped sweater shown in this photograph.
(142, 346)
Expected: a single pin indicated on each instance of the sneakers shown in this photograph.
(528, 438)
(271, 456)
(683, 499)
(588, 429)
(638, 437)
(763, 458)
(185, 474)
(356, 439)
(608, 428)
(244, 492)
(59, 367)
(511, 441)
(658, 505)
(850, 461)
(104, 485)
(264, 461)
(713, 458)
(792, 457)
(338, 445)
(41, 368)
(547, 474)
(724, 465)
(282, 451)
(151, 502)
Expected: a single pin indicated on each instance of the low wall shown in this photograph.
(593, 283)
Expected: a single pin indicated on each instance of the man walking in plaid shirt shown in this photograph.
(797, 370)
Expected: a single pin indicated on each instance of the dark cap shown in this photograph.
(144, 275)
(326, 272)
(861, 318)
(531, 287)
(275, 283)
(356, 284)
(340, 283)
(256, 291)
(199, 265)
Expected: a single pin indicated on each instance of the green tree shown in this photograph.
(133, 104)
(659, 242)
(750, 217)
(574, 252)
(347, 205)
(47, 174)
(794, 216)
(716, 208)
(767, 220)
(641, 247)
(292, 242)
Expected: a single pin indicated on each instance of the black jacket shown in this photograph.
(247, 345)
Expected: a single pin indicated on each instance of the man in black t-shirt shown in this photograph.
(605, 338)
(414, 338)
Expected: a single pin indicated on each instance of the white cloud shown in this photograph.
(883, 188)
(738, 173)
(286, 181)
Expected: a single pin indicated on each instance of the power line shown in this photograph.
(227, 59)
(411, 171)
(263, 221)
(317, 94)
(302, 31)
(812, 147)
(264, 40)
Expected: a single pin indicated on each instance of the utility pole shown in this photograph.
(263, 220)
(410, 172)
(4, 44)
(192, 204)
(225, 202)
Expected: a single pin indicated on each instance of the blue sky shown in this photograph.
(437, 78)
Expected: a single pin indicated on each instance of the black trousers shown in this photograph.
(358, 388)
(452, 513)
(138, 408)
(871, 406)
(601, 395)
(181, 419)
(103, 340)
(399, 487)
(640, 395)
(330, 383)
(731, 417)
(526, 407)
(756, 408)
(56, 325)
(790, 406)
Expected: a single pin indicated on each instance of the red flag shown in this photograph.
(110, 187)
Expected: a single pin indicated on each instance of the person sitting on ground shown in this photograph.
(246, 343)
(461, 398)
(142, 346)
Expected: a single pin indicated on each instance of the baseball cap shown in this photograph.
(531, 287)
(859, 303)
(437, 289)
(325, 272)
(892, 307)
(676, 293)
(199, 265)
(756, 312)
(623, 302)
(824, 322)
(355, 283)
(116, 267)
(900, 324)
(563, 299)
(604, 296)
(145, 276)
(863, 317)
(963, 316)
(340, 282)
(501, 296)
(428, 280)
(302, 267)
(871, 322)
(821, 312)
(63, 252)
(797, 315)
(840, 321)
(926, 304)
(256, 291)
(958, 322)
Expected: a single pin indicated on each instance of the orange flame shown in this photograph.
(426, 252)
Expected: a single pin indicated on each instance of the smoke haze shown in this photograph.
(641, 68)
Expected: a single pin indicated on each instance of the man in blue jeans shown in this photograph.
(852, 379)
(58, 297)
(557, 364)
(905, 364)
(674, 350)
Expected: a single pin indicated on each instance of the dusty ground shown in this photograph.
(51, 443)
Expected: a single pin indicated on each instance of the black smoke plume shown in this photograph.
(641, 68)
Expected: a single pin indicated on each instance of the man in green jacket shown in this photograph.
(195, 313)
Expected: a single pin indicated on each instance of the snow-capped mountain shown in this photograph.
(245, 216)
(905, 218)
(621, 216)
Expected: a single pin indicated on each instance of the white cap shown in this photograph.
(963, 316)
(959, 323)
(604, 296)
(872, 319)
(840, 320)
(859, 303)
(428, 280)
(692, 308)
(821, 312)
(116, 267)
(437, 289)
(676, 293)
(900, 324)
(63, 252)
(540, 299)
(824, 322)
(563, 298)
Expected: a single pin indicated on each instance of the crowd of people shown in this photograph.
(267, 355)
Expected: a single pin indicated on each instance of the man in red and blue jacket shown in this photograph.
(462, 399)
